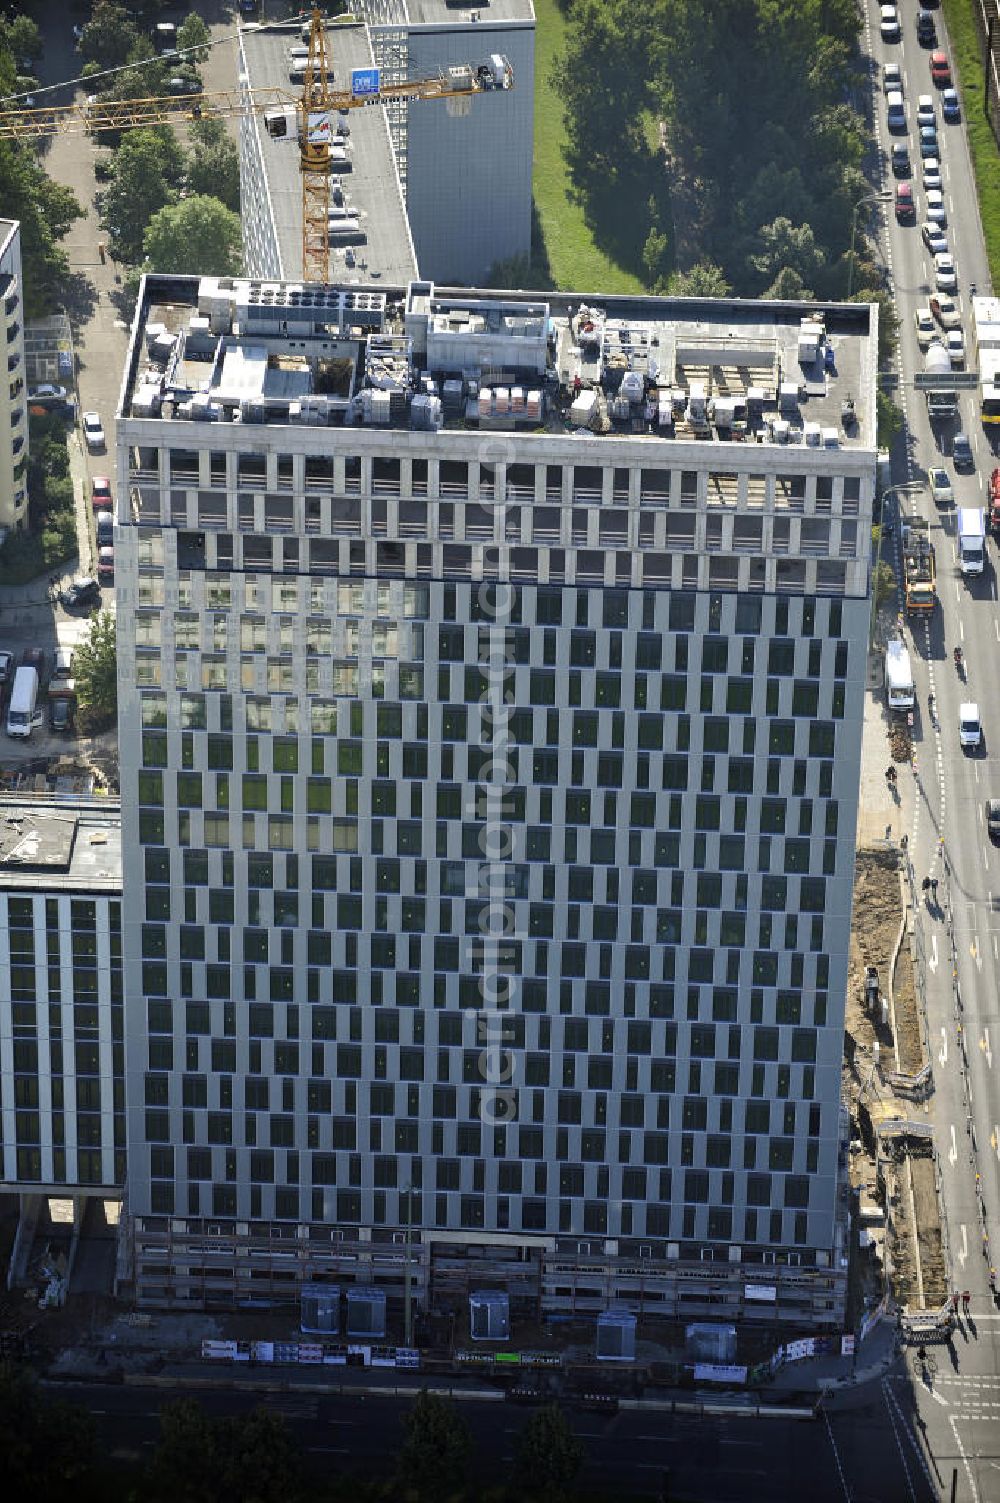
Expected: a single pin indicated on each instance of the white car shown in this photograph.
(932, 172)
(970, 727)
(941, 491)
(925, 110)
(892, 78)
(925, 326)
(945, 275)
(954, 343)
(93, 432)
(934, 238)
(889, 23)
(47, 393)
(936, 211)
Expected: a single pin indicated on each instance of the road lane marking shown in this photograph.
(836, 1457)
(984, 1044)
(995, 1140)
(965, 1239)
(974, 1491)
(943, 1056)
(953, 1150)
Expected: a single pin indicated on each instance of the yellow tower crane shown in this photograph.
(315, 111)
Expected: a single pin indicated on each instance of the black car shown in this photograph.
(926, 30)
(60, 715)
(80, 592)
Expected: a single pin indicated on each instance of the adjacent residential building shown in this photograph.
(13, 389)
(491, 678)
(62, 1104)
(445, 186)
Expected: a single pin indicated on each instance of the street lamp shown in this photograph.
(904, 489)
(407, 1294)
(882, 196)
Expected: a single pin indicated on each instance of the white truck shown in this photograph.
(898, 676)
(971, 539)
(23, 713)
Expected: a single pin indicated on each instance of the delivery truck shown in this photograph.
(971, 539)
(898, 676)
(23, 713)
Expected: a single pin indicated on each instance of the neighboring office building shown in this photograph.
(13, 390)
(446, 185)
(301, 623)
(62, 1106)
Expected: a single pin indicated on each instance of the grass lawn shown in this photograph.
(967, 60)
(575, 262)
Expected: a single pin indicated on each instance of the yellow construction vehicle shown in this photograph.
(314, 110)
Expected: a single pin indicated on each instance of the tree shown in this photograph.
(702, 280)
(549, 1456)
(885, 583)
(232, 1459)
(889, 420)
(213, 168)
(148, 166)
(435, 1453)
(108, 36)
(787, 246)
(193, 34)
(20, 37)
(199, 235)
(95, 668)
(48, 1450)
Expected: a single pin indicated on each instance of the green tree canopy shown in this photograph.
(193, 32)
(109, 36)
(48, 1448)
(95, 668)
(20, 36)
(147, 170)
(198, 235)
(435, 1454)
(701, 280)
(250, 1458)
(213, 168)
(549, 1457)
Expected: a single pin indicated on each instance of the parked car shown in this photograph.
(970, 727)
(925, 327)
(993, 818)
(61, 715)
(945, 275)
(101, 498)
(954, 343)
(106, 565)
(925, 110)
(906, 209)
(940, 69)
(935, 240)
(936, 212)
(926, 30)
(34, 657)
(945, 310)
(80, 592)
(62, 665)
(961, 452)
(889, 23)
(931, 172)
(180, 85)
(48, 392)
(950, 107)
(900, 157)
(93, 432)
(104, 524)
(6, 668)
(942, 493)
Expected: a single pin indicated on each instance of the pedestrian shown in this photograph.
(966, 1301)
(926, 884)
(934, 883)
(954, 1302)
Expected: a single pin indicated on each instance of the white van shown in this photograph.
(22, 712)
(895, 112)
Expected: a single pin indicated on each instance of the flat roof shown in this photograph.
(371, 186)
(457, 12)
(52, 842)
(428, 358)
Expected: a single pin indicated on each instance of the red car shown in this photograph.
(906, 209)
(100, 494)
(940, 70)
(106, 565)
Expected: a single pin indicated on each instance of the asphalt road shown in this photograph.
(957, 1411)
(865, 1449)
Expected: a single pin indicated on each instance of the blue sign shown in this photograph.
(364, 82)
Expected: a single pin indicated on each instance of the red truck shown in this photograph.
(993, 503)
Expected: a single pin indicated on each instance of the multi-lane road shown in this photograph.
(958, 1411)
